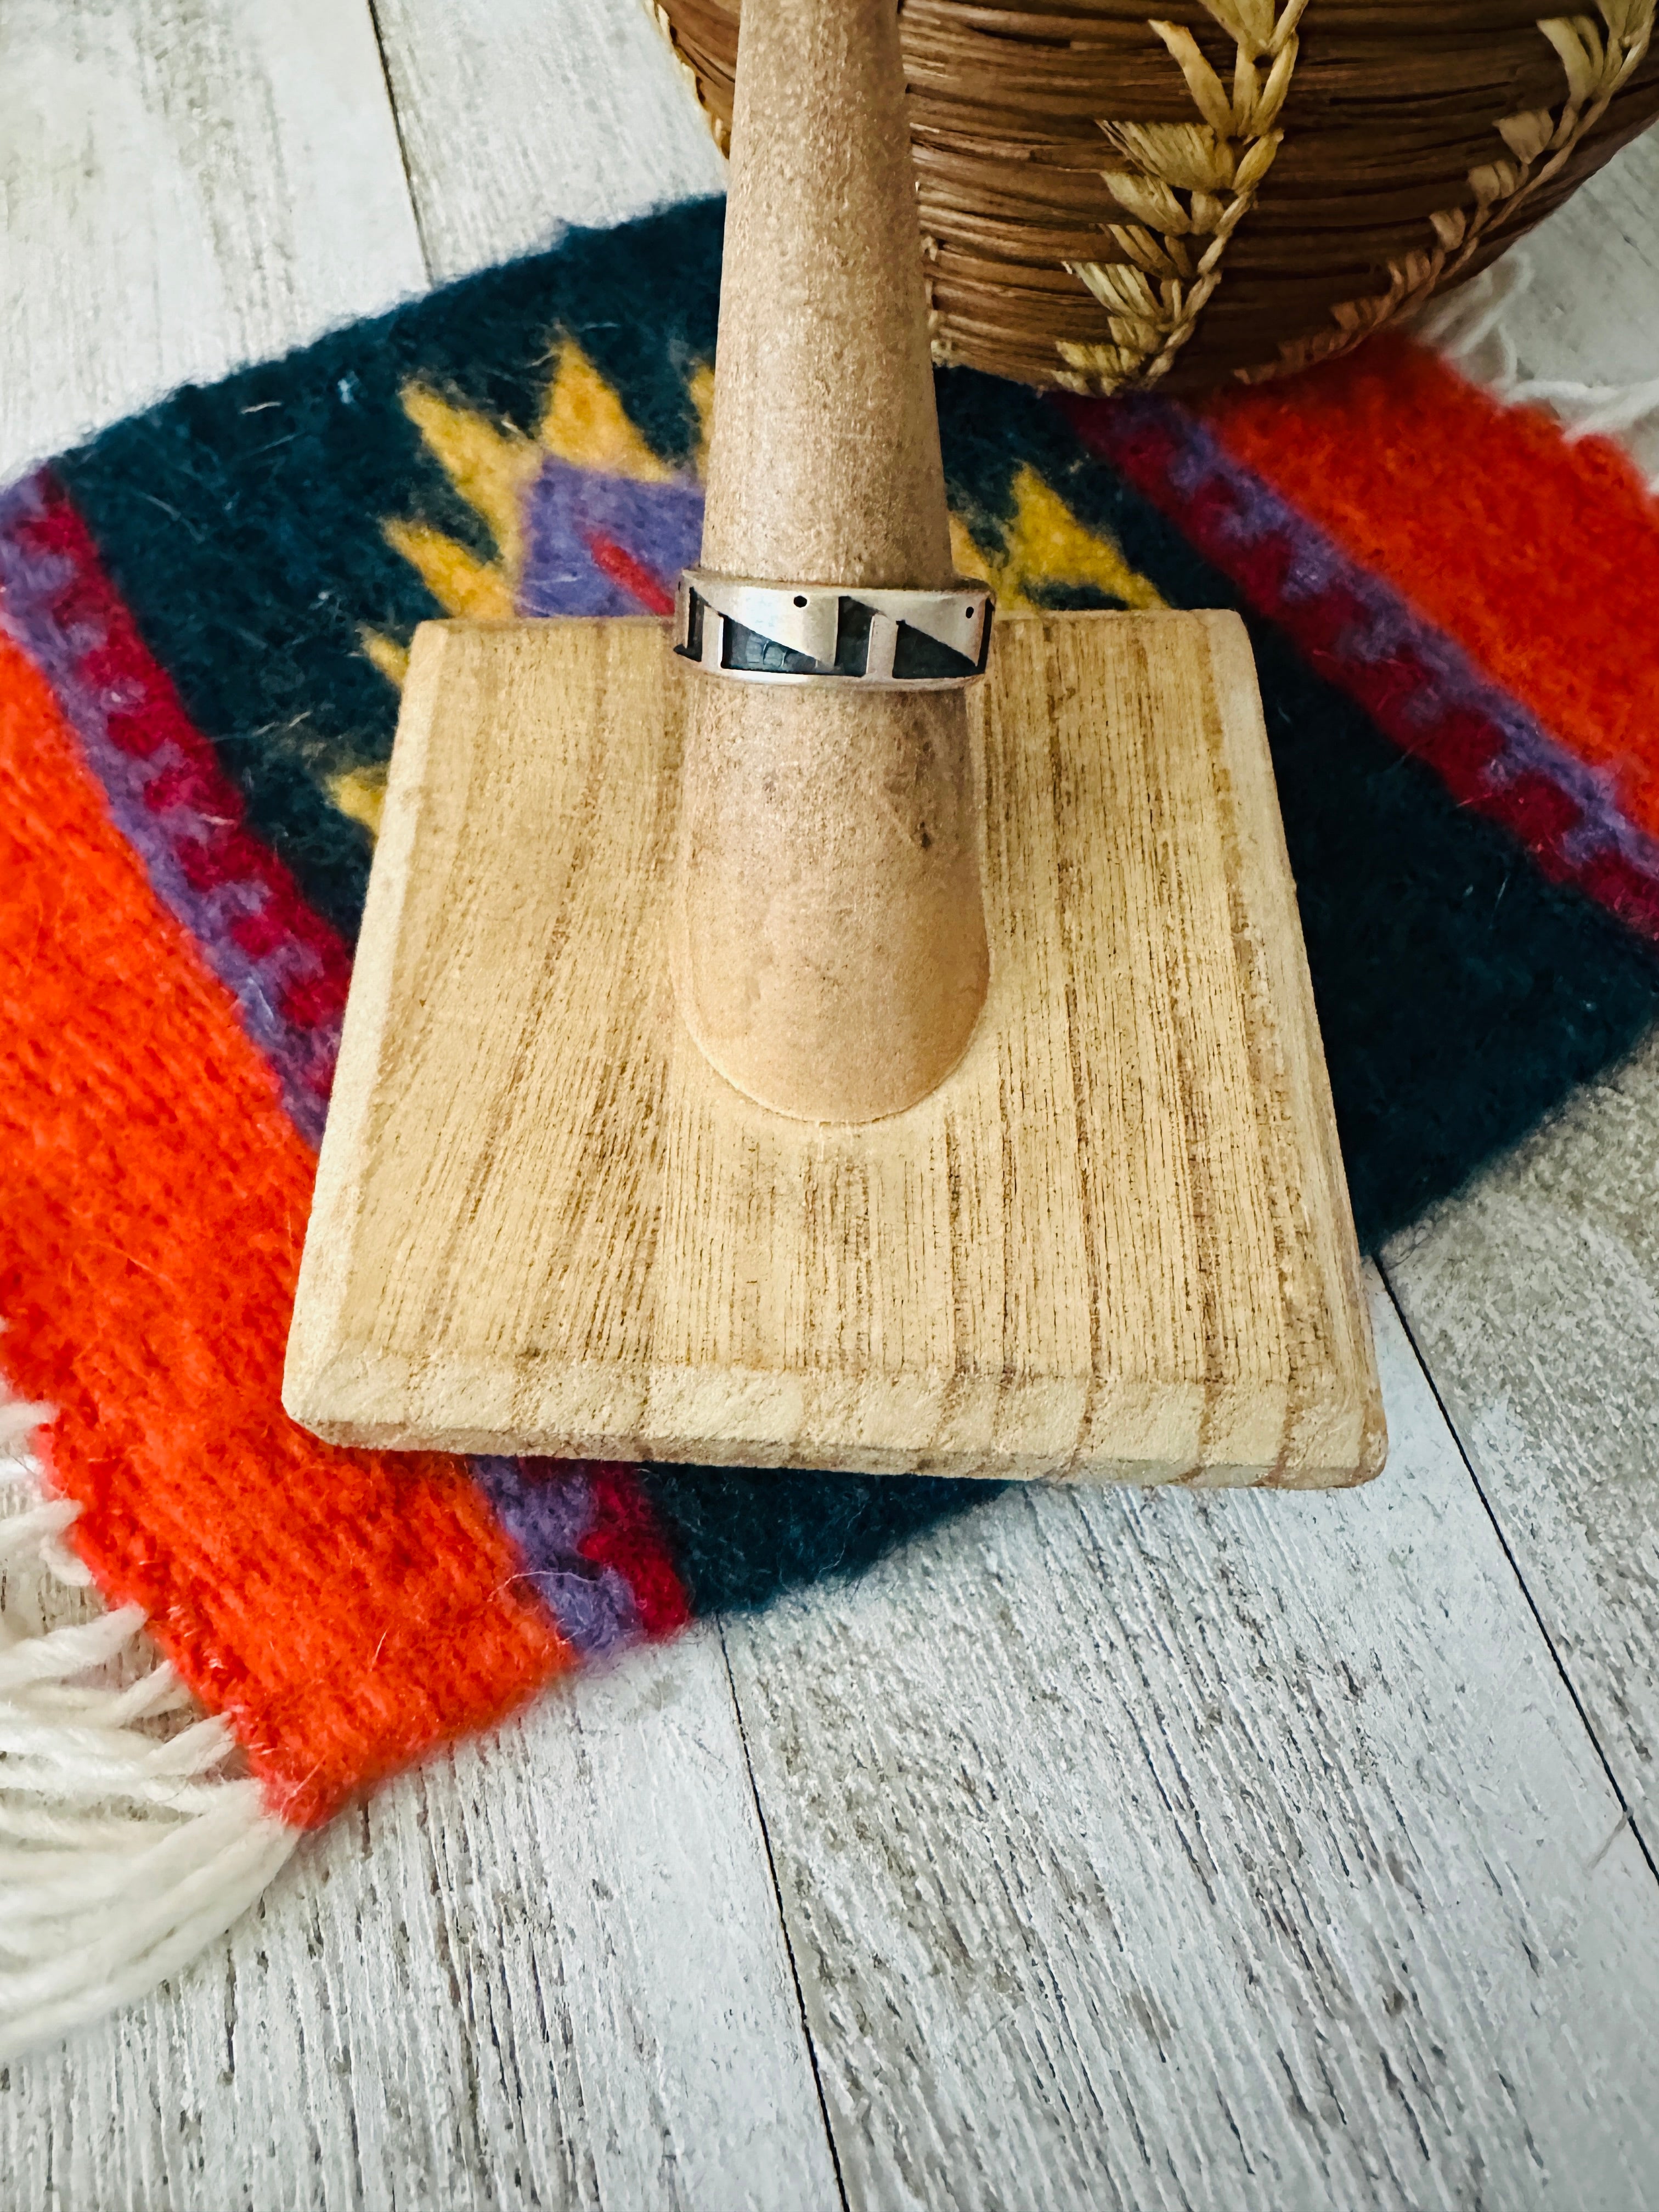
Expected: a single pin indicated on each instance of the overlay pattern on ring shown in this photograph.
(832, 633)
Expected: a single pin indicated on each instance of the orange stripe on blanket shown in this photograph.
(1539, 557)
(344, 1610)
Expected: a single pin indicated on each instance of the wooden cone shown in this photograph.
(827, 933)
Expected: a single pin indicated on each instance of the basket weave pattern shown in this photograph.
(1235, 187)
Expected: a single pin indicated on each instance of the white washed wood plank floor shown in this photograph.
(1115, 1849)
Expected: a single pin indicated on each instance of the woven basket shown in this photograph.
(1236, 189)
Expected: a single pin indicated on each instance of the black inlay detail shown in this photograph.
(747, 651)
(853, 638)
(917, 658)
(920, 658)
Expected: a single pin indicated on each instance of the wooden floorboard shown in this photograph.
(546, 1971)
(519, 117)
(1146, 1849)
(188, 185)
(1135, 1849)
(1535, 1300)
(1590, 312)
(549, 1970)
(1533, 1297)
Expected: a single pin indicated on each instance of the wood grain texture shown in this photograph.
(1590, 312)
(1591, 309)
(827, 931)
(325, 2057)
(518, 117)
(1535, 1301)
(188, 185)
(544, 1972)
(1114, 1243)
(1145, 1850)
(1534, 1296)
(548, 1970)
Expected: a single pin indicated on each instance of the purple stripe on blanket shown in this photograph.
(1388, 632)
(658, 525)
(547, 1515)
(144, 800)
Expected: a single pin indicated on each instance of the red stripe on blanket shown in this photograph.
(1539, 557)
(618, 563)
(345, 1611)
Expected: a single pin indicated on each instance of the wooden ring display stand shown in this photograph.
(836, 1076)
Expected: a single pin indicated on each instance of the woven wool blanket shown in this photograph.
(205, 621)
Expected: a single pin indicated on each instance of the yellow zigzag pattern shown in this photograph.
(584, 422)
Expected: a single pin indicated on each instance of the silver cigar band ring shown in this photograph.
(764, 633)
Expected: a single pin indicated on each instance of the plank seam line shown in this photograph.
(783, 1920)
(403, 147)
(1627, 1811)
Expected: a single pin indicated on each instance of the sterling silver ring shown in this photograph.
(766, 633)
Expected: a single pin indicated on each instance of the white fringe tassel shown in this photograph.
(1467, 326)
(124, 1845)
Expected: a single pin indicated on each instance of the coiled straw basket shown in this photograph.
(1234, 188)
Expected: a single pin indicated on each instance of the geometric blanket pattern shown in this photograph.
(204, 618)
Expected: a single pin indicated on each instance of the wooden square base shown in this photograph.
(1116, 1243)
